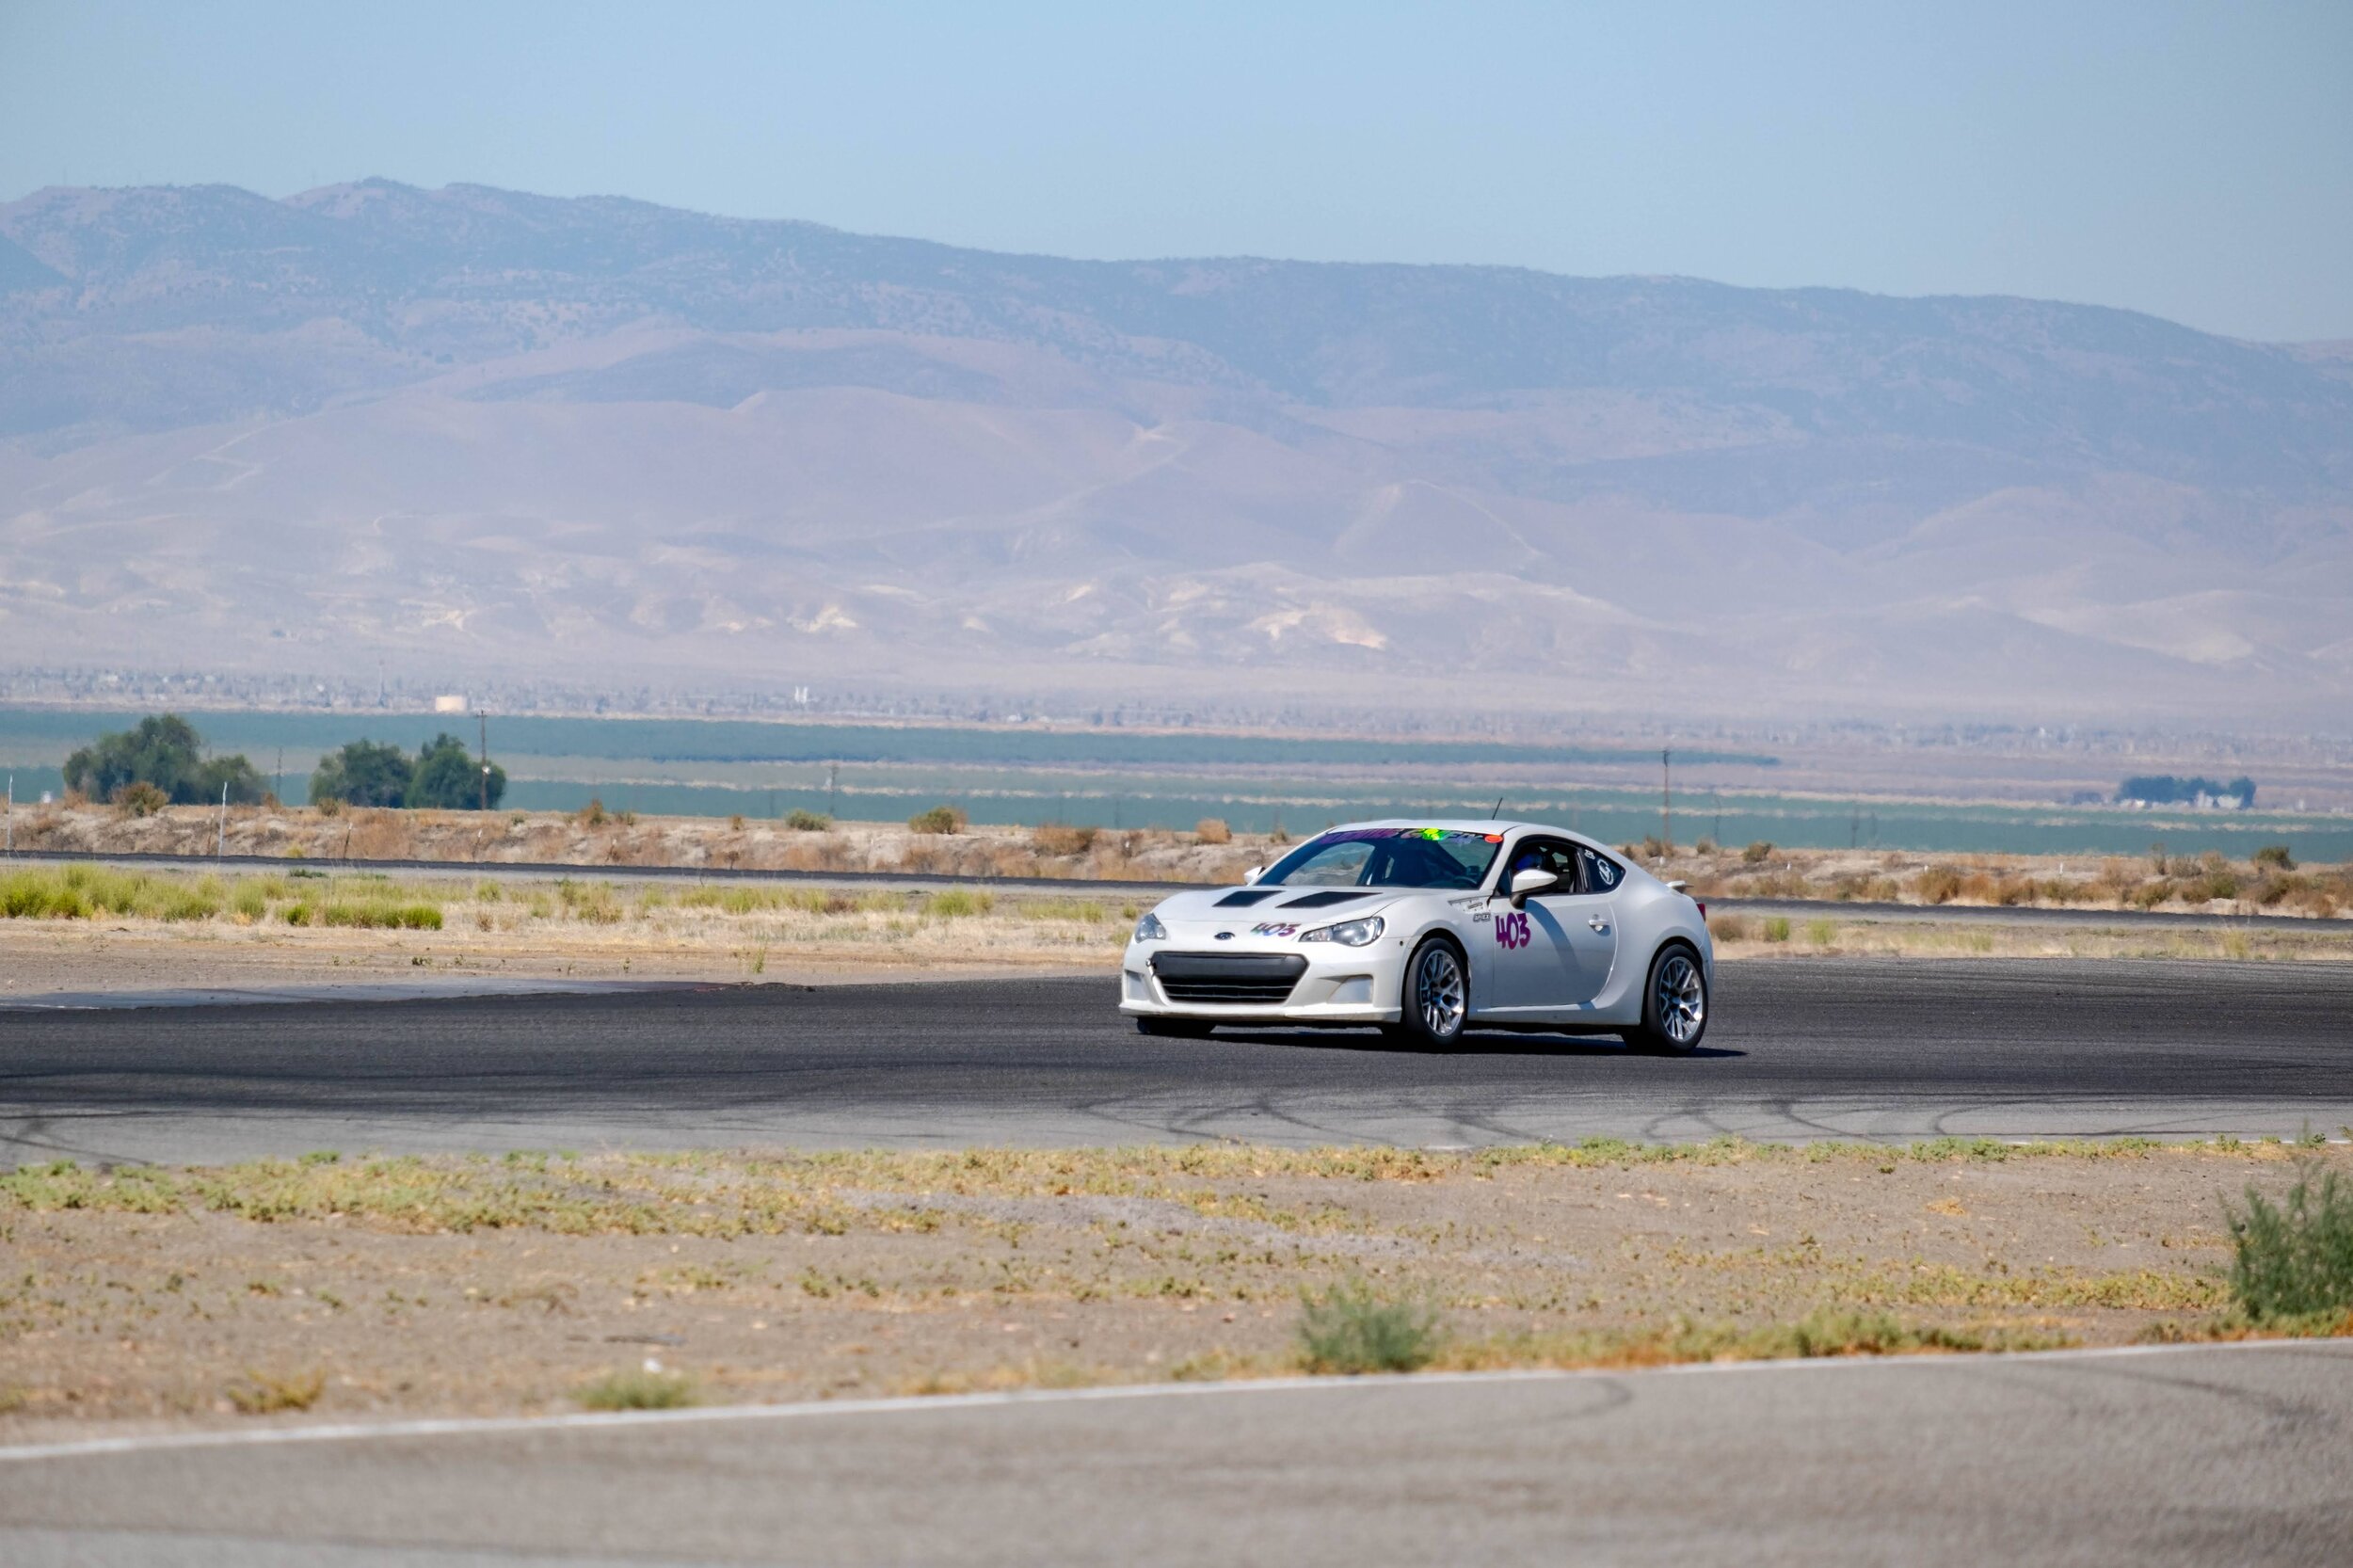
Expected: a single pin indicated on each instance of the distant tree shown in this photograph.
(447, 777)
(165, 752)
(241, 780)
(363, 774)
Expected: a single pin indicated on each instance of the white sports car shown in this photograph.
(1424, 928)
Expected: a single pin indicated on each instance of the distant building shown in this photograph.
(455, 704)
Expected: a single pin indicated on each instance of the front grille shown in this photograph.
(1230, 978)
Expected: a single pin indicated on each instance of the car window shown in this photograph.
(1601, 874)
(1328, 865)
(1545, 855)
(1388, 857)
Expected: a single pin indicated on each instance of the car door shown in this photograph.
(1558, 951)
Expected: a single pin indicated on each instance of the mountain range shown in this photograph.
(474, 429)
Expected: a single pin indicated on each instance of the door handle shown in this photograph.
(1598, 924)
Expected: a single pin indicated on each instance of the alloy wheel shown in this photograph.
(1682, 999)
(1439, 991)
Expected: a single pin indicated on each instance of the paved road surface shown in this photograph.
(1886, 1048)
(2239, 1455)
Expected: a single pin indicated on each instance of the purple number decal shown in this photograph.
(1511, 931)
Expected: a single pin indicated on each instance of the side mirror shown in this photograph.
(1253, 874)
(1527, 884)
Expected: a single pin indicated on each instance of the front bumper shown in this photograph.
(1334, 984)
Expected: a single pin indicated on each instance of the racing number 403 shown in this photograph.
(1512, 930)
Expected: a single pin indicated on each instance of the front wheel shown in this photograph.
(1436, 1001)
(1182, 1029)
(1675, 1004)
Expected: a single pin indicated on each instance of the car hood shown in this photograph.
(1239, 909)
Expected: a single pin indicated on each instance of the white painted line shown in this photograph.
(461, 1426)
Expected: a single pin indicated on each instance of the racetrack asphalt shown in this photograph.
(2189, 1456)
(1882, 1048)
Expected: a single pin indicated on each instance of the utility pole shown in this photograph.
(278, 779)
(220, 841)
(485, 717)
(833, 788)
(11, 814)
(1666, 797)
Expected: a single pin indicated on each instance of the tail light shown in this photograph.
(1703, 909)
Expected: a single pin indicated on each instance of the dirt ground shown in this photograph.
(2205, 883)
(354, 1288)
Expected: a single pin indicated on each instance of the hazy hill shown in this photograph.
(477, 427)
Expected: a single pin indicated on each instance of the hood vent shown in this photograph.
(1247, 897)
(1324, 900)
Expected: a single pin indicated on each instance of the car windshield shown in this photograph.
(1388, 857)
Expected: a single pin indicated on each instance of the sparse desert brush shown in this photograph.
(940, 819)
(1777, 928)
(1057, 838)
(592, 814)
(801, 820)
(2276, 856)
(1728, 928)
(1212, 830)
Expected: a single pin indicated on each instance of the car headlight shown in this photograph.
(1149, 929)
(1355, 934)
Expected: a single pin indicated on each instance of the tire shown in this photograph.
(1435, 1001)
(1674, 1003)
(1180, 1029)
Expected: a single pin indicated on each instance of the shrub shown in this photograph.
(940, 819)
(2295, 1258)
(653, 1389)
(2216, 885)
(1757, 853)
(265, 1395)
(1055, 838)
(1821, 933)
(1212, 830)
(1350, 1329)
(1939, 884)
(1728, 928)
(1777, 929)
(807, 821)
(139, 799)
(592, 814)
(2276, 856)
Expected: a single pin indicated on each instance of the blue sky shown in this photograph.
(2191, 160)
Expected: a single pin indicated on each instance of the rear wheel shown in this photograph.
(1436, 1002)
(1183, 1029)
(1674, 1003)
